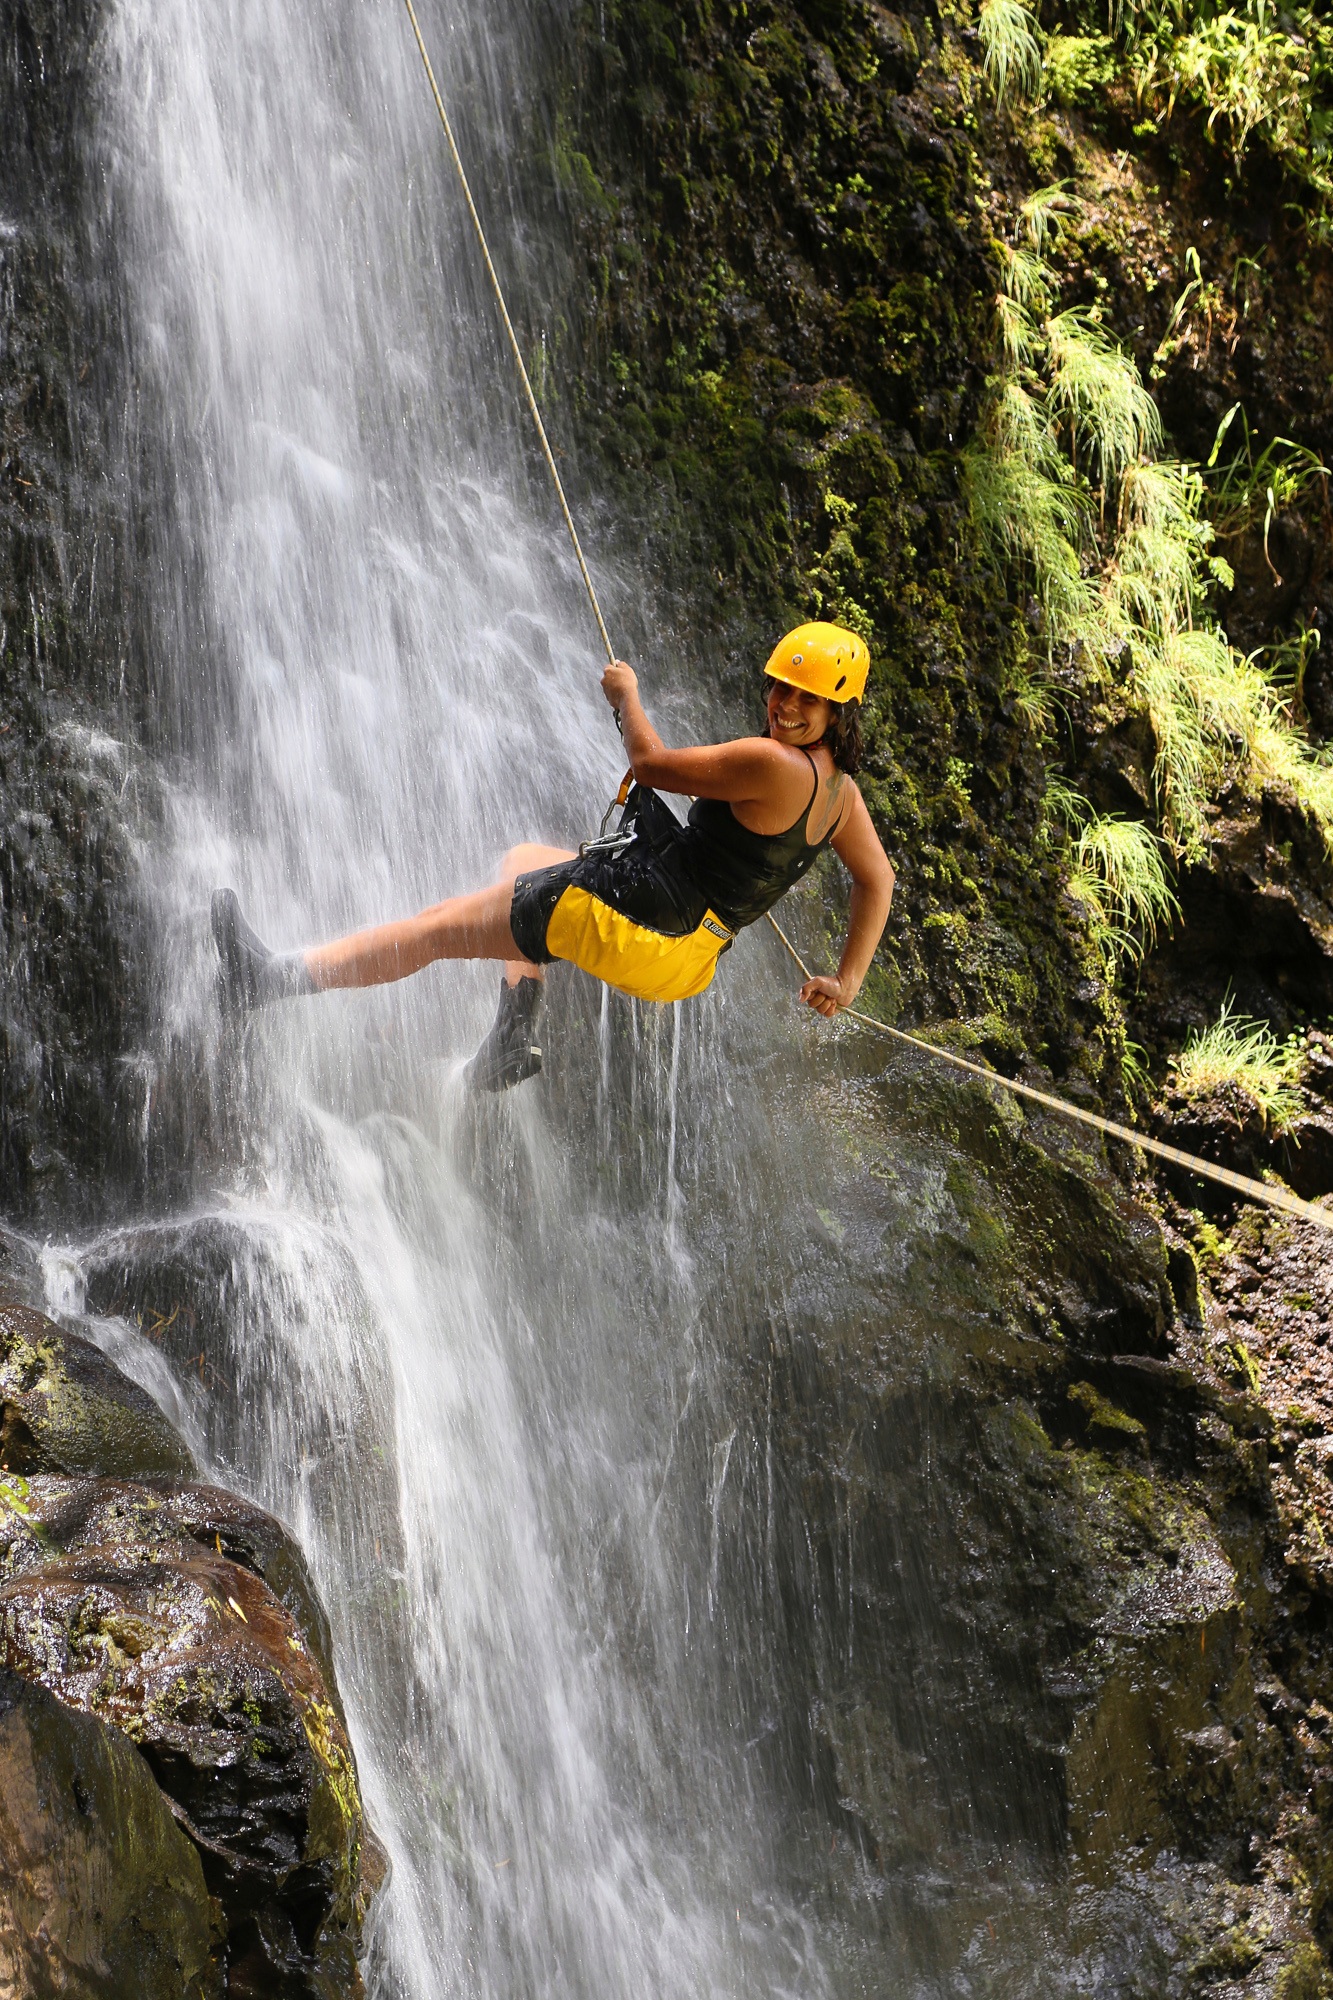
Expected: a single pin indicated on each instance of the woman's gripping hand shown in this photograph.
(619, 682)
(828, 994)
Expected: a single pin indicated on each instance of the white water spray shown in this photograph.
(420, 1340)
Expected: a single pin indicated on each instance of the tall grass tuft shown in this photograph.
(1095, 384)
(1011, 50)
(1246, 1054)
(1117, 872)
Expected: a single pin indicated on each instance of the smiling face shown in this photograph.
(795, 716)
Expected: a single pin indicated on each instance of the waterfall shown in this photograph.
(463, 1350)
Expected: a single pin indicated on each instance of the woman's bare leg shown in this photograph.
(472, 926)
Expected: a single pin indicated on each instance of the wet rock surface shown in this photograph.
(65, 1408)
(206, 1674)
(73, 980)
(180, 1622)
(1135, 1702)
(102, 1894)
(1107, 1418)
(42, 1516)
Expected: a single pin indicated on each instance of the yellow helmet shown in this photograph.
(822, 659)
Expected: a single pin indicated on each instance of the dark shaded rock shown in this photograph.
(45, 1515)
(73, 974)
(1305, 1154)
(202, 1668)
(66, 1408)
(1256, 926)
(1226, 1127)
(101, 1894)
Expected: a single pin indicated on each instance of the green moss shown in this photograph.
(14, 1494)
(1078, 68)
(1103, 1417)
(1305, 1976)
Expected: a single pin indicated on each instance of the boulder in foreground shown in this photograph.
(104, 1895)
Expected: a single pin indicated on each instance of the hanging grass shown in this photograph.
(1096, 386)
(1011, 50)
(1064, 486)
(1026, 517)
(1118, 873)
(1043, 217)
(1246, 1054)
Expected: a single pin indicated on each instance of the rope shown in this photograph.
(513, 337)
(1262, 1191)
(1272, 1197)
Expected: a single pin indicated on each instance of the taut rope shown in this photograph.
(1273, 1197)
(521, 365)
(1261, 1191)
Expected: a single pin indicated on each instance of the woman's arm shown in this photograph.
(857, 845)
(745, 771)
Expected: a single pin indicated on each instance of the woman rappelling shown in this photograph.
(650, 908)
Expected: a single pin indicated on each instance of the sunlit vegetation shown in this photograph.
(1116, 545)
(1012, 50)
(1117, 871)
(1255, 74)
(1246, 1054)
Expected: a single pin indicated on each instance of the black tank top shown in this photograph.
(742, 874)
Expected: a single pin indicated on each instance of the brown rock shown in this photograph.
(101, 1893)
(49, 1514)
(194, 1658)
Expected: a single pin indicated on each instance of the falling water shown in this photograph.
(482, 1358)
(379, 675)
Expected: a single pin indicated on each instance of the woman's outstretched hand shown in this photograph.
(827, 994)
(618, 682)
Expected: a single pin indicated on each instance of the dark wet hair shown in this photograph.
(843, 735)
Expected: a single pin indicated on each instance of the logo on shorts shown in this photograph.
(718, 930)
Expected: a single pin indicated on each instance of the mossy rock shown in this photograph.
(45, 1515)
(101, 1893)
(202, 1668)
(65, 1408)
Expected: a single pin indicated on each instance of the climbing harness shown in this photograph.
(1260, 1191)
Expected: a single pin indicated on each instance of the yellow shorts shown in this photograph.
(632, 923)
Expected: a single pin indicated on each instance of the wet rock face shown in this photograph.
(199, 1665)
(178, 1619)
(65, 1408)
(101, 1893)
(72, 984)
(42, 1515)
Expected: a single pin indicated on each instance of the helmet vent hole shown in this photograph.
(842, 682)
